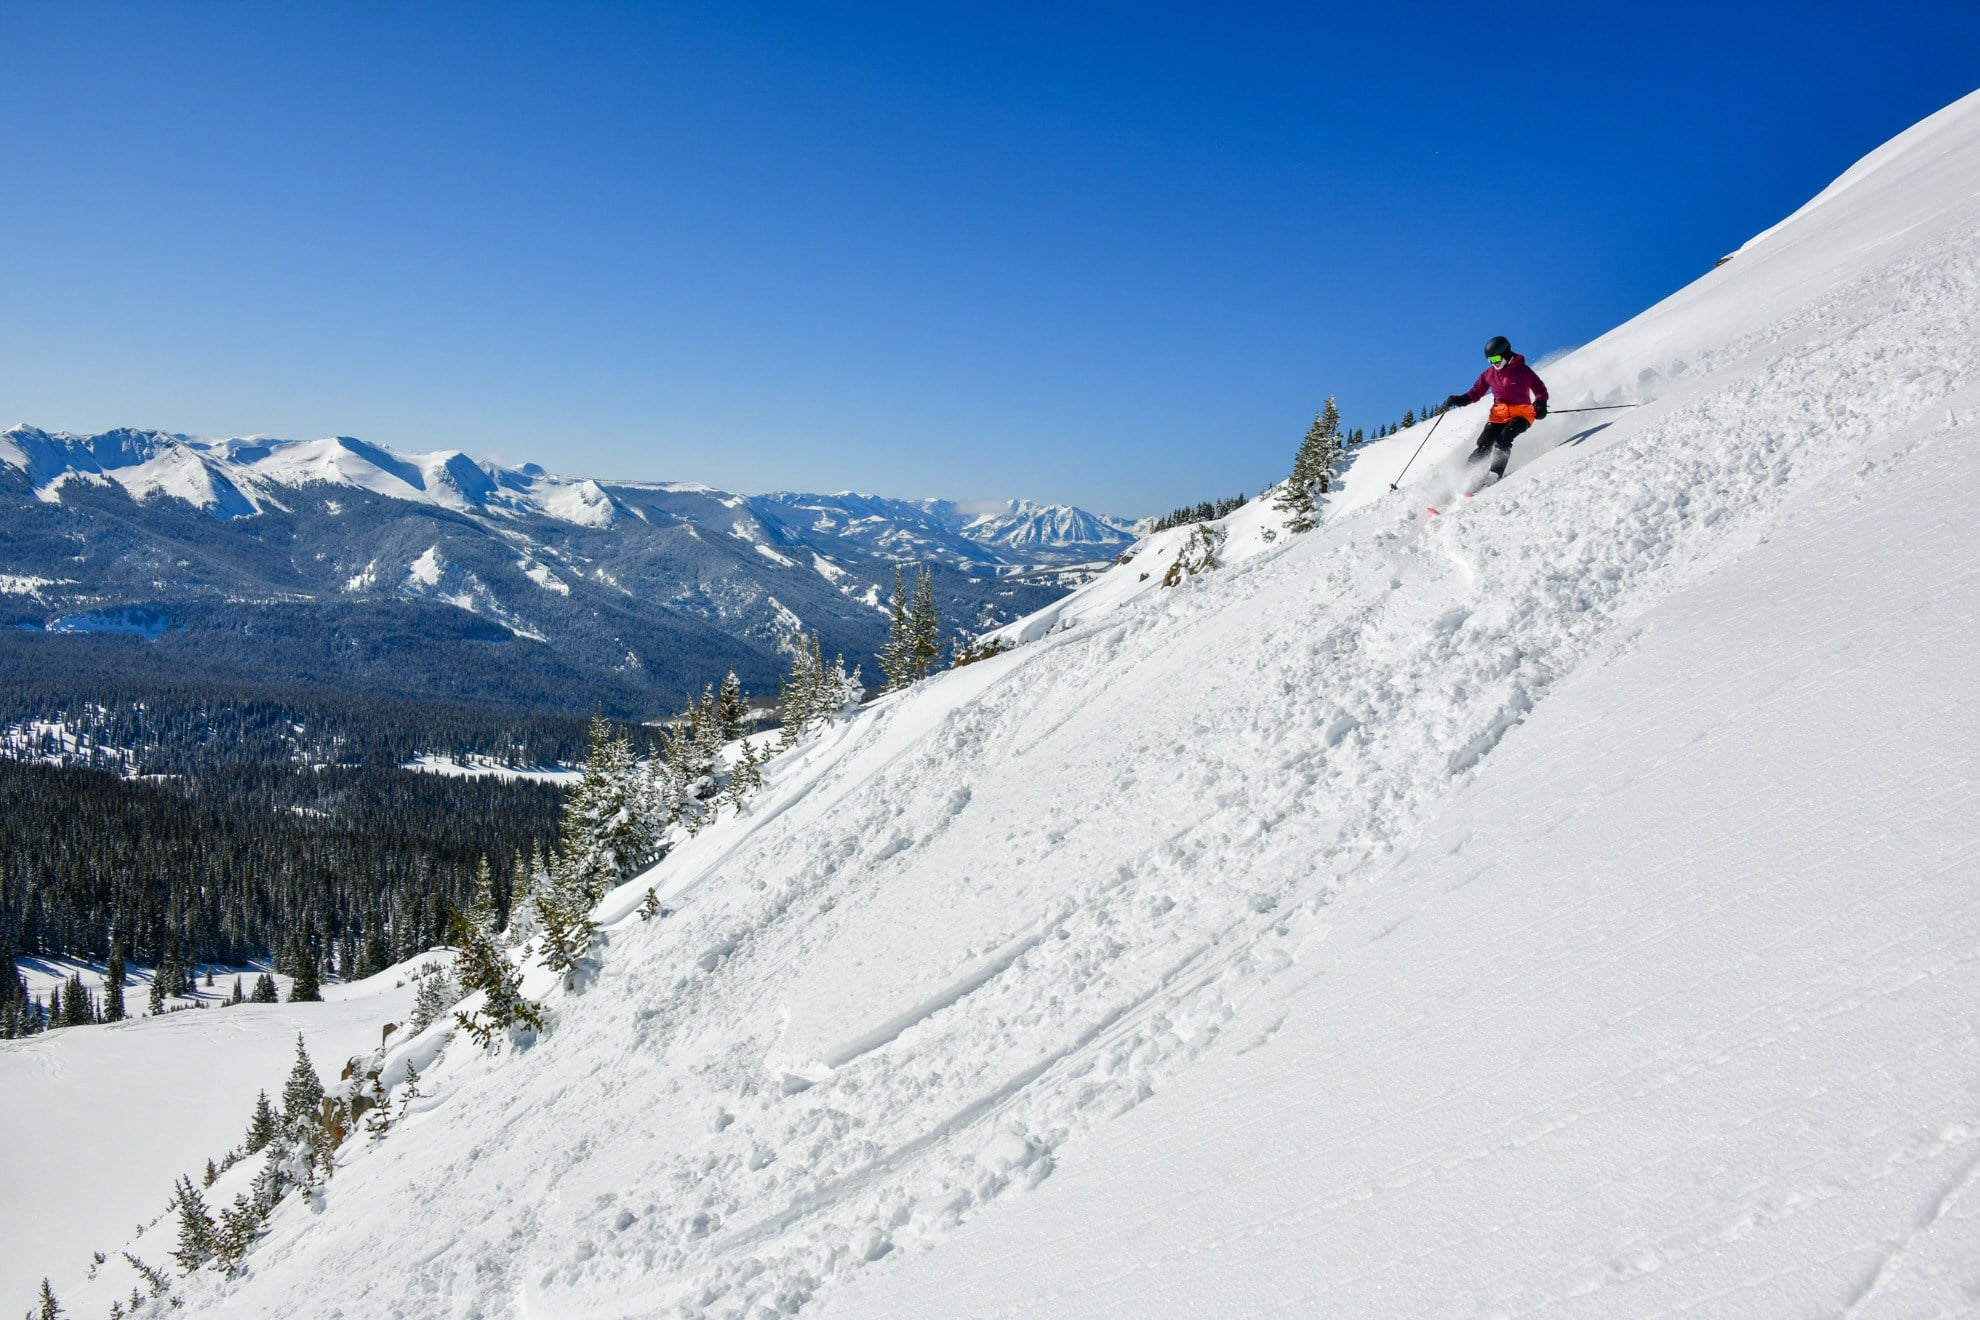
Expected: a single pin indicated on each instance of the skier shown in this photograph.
(1519, 399)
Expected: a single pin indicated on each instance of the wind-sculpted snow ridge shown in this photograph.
(963, 940)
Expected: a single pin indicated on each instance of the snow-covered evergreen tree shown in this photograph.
(1313, 468)
(1328, 454)
(839, 692)
(240, 1224)
(732, 709)
(797, 698)
(1198, 554)
(436, 994)
(525, 874)
(925, 628)
(262, 1125)
(485, 969)
(563, 916)
(196, 1227)
(896, 655)
(47, 1308)
(302, 1094)
(605, 834)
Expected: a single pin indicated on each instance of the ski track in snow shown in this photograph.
(954, 937)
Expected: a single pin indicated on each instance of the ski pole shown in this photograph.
(1607, 407)
(1419, 449)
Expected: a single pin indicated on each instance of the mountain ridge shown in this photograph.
(229, 477)
(638, 591)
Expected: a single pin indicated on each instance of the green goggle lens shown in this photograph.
(1495, 360)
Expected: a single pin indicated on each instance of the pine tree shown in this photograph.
(485, 969)
(925, 651)
(49, 1308)
(77, 1010)
(14, 1012)
(436, 994)
(305, 989)
(563, 914)
(279, 1171)
(1313, 468)
(1328, 457)
(409, 1092)
(705, 732)
(240, 1224)
(262, 1126)
(372, 956)
(731, 709)
(841, 692)
(800, 690)
(264, 989)
(302, 1095)
(172, 973)
(484, 893)
(736, 792)
(526, 875)
(304, 1142)
(113, 984)
(195, 1227)
(13, 991)
(897, 656)
(605, 836)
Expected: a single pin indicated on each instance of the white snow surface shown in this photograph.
(1563, 905)
(107, 1117)
(482, 767)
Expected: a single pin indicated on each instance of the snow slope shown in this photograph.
(102, 1120)
(1564, 905)
(1668, 1010)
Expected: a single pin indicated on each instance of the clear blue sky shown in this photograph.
(1111, 254)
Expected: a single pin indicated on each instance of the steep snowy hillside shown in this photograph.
(1564, 904)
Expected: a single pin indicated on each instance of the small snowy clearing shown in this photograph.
(480, 767)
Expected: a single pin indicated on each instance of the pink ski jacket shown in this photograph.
(1512, 384)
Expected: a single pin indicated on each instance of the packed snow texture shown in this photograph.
(1563, 905)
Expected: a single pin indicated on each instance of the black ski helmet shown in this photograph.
(1498, 346)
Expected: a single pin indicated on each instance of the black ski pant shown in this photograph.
(1496, 440)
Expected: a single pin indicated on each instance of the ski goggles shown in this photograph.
(1496, 359)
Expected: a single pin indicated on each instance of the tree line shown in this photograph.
(338, 871)
(174, 729)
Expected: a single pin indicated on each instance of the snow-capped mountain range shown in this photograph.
(240, 478)
(630, 587)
